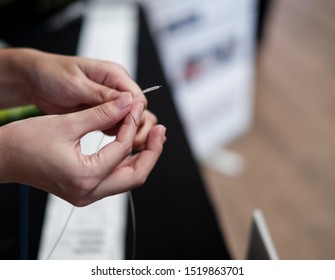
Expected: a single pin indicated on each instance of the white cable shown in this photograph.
(70, 214)
(61, 233)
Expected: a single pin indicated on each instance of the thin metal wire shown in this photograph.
(144, 92)
(151, 89)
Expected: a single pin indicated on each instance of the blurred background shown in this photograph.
(289, 151)
(253, 84)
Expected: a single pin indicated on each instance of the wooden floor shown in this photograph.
(290, 151)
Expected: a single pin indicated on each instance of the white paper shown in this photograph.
(207, 53)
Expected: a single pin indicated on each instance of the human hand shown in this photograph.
(62, 84)
(147, 121)
(58, 83)
(45, 152)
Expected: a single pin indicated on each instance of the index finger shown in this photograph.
(114, 76)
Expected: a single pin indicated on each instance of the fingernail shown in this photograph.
(124, 101)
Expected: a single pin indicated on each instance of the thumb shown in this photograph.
(101, 117)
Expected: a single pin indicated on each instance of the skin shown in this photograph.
(79, 95)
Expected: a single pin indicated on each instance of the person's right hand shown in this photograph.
(45, 152)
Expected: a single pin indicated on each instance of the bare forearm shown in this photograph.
(14, 68)
(5, 161)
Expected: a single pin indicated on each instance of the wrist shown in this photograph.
(16, 66)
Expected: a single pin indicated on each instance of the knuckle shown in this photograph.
(104, 111)
(104, 93)
(126, 147)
